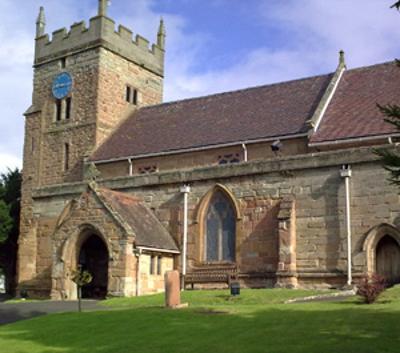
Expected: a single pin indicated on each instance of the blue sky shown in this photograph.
(212, 45)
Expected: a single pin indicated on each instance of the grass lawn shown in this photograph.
(257, 321)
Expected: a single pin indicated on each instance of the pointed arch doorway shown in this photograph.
(388, 259)
(382, 249)
(93, 257)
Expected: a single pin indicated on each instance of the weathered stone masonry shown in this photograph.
(291, 229)
(110, 175)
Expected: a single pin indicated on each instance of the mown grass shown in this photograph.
(215, 298)
(255, 322)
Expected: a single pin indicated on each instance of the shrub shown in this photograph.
(370, 287)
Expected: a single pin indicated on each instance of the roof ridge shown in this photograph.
(259, 86)
(240, 90)
(368, 67)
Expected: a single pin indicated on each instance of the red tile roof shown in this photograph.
(262, 112)
(255, 113)
(148, 230)
(352, 113)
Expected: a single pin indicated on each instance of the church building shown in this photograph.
(270, 186)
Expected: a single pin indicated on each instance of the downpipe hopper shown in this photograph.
(345, 171)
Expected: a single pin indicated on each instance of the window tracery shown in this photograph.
(220, 229)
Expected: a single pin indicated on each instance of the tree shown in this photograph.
(81, 278)
(390, 157)
(10, 194)
(396, 5)
(6, 222)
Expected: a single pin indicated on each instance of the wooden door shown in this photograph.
(388, 260)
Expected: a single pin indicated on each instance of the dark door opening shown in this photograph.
(93, 257)
(388, 260)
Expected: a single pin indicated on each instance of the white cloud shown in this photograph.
(17, 29)
(315, 31)
(9, 161)
(367, 30)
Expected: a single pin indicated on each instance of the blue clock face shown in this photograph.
(62, 85)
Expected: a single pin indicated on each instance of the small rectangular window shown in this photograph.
(152, 264)
(68, 104)
(132, 95)
(58, 109)
(66, 157)
(63, 63)
(159, 263)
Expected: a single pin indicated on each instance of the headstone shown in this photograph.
(172, 289)
(2, 283)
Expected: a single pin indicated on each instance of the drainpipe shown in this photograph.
(130, 166)
(345, 173)
(245, 157)
(185, 189)
(137, 253)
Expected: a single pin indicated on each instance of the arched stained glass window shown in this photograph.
(220, 229)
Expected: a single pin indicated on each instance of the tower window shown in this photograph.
(63, 63)
(58, 109)
(66, 156)
(68, 104)
(132, 95)
(63, 109)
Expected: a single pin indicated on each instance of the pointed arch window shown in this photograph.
(220, 229)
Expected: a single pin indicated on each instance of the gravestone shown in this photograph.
(172, 289)
(2, 283)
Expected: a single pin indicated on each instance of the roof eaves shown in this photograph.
(201, 148)
(353, 139)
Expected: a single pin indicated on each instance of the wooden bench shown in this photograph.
(221, 273)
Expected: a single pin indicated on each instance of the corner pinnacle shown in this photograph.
(161, 34)
(103, 5)
(40, 23)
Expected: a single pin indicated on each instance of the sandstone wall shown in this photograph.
(98, 105)
(154, 282)
(259, 187)
(115, 73)
(210, 157)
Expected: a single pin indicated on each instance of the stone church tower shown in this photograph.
(86, 81)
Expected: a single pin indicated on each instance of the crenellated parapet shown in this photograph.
(100, 33)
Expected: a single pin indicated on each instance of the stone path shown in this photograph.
(21, 311)
(338, 296)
